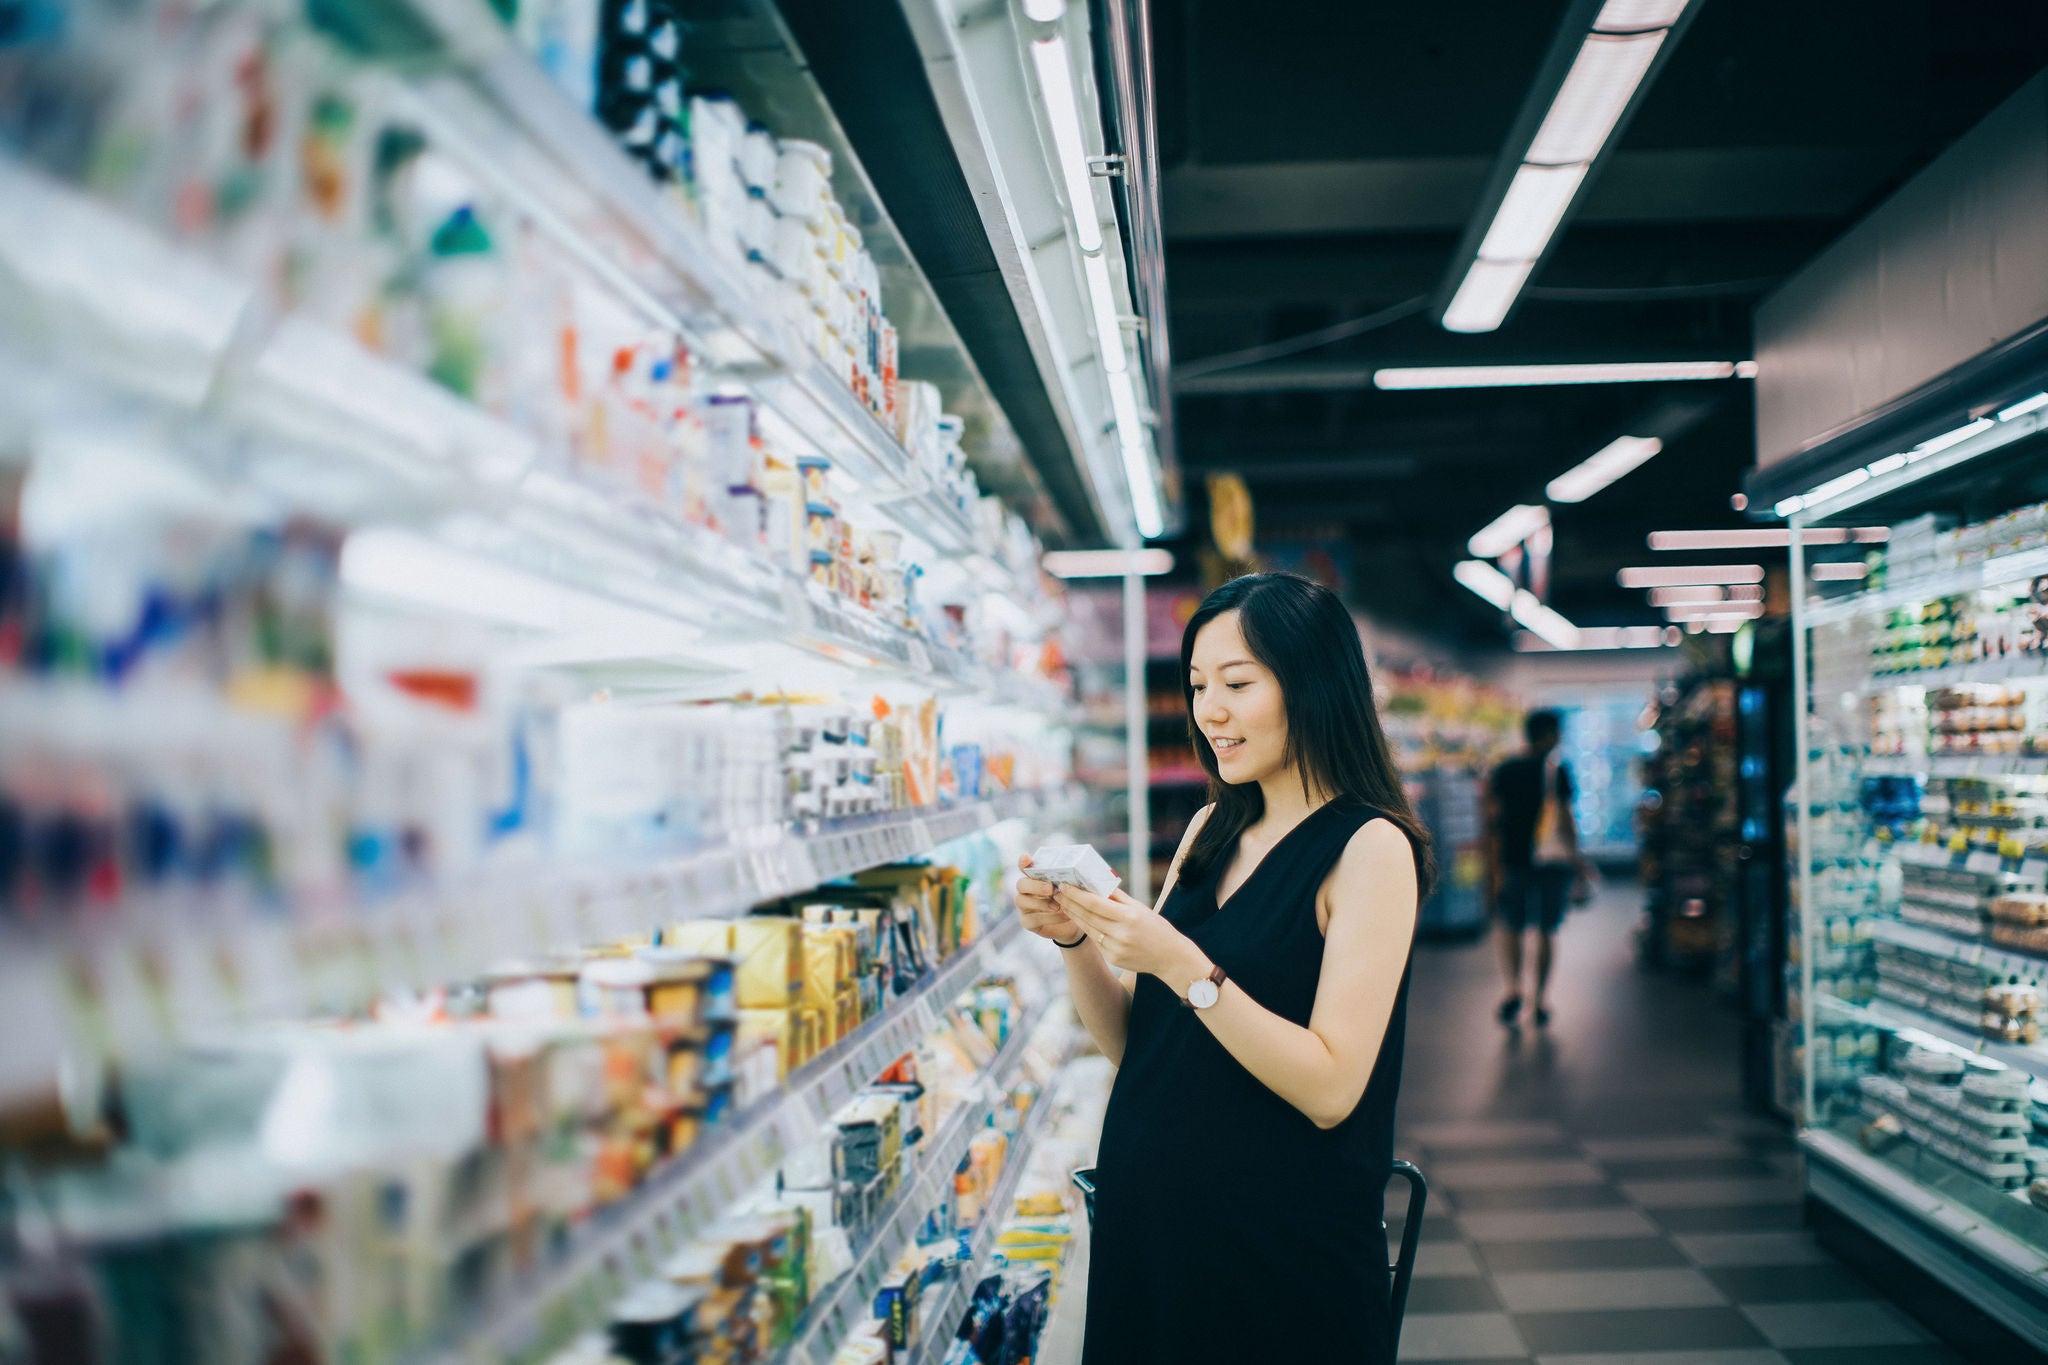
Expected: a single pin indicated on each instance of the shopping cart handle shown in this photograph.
(1403, 1268)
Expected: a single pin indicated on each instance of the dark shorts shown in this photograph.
(1534, 897)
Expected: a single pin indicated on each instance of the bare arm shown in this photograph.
(1101, 994)
(1322, 1070)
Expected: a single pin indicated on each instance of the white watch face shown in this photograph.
(1202, 994)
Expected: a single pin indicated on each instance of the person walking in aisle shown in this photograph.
(1257, 1016)
(1532, 846)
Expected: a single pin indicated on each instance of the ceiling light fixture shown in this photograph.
(1508, 530)
(1109, 331)
(1710, 611)
(1602, 637)
(1602, 467)
(1490, 583)
(1680, 576)
(1137, 455)
(1698, 592)
(1526, 376)
(1837, 573)
(1596, 91)
(1933, 445)
(1063, 112)
(1044, 11)
(1107, 563)
(1767, 537)
(2024, 406)
(1547, 623)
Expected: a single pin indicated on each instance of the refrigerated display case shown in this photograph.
(1917, 946)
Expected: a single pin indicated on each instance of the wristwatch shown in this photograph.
(1205, 992)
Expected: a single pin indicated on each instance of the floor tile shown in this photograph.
(1446, 1258)
(1435, 1228)
(1649, 1329)
(1429, 1157)
(1737, 1167)
(1446, 1294)
(1541, 1197)
(1494, 1175)
(1460, 1336)
(1662, 1147)
(1737, 1356)
(1925, 1353)
(1749, 1125)
(1485, 1133)
(1670, 1194)
(1574, 1291)
(1556, 1225)
(1398, 1195)
(1739, 1218)
(1852, 1322)
(1752, 1248)
(1789, 1283)
(1606, 1253)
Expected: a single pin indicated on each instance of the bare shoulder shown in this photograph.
(1377, 860)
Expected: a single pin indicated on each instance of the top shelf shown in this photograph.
(1997, 572)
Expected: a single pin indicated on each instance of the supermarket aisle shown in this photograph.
(1598, 1195)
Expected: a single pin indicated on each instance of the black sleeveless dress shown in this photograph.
(1228, 1227)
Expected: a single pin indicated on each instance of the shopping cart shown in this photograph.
(1403, 1268)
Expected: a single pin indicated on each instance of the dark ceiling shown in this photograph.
(1322, 160)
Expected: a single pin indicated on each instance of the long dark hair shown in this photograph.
(1301, 631)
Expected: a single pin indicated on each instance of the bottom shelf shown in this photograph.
(1961, 1231)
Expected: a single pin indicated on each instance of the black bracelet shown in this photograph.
(1075, 944)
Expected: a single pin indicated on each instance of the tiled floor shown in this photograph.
(1598, 1197)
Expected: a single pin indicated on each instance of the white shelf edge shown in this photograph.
(1884, 1013)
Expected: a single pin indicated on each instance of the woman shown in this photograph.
(1256, 1020)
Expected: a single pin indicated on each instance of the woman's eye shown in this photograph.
(1239, 687)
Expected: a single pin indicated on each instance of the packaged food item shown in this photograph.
(1073, 865)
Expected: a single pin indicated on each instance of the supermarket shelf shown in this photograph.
(846, 1304)
(1973, 952)
(414, 448)
(938, 1321)
(1956, 765)
(280, 968)
(2007, 669)
(1179, 777)
(681, 1201)
(558, 163)
(1996, 572)
(1998, 1273)
(1893, 1015)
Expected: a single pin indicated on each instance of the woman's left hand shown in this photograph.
(1132, 936)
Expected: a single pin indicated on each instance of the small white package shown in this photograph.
(1073, 865)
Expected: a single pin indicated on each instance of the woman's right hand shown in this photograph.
(1035, 905)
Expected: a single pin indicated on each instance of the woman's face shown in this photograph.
(1237, 704)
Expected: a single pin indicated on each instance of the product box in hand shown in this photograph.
(1073, 865)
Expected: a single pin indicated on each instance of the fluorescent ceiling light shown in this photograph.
(1489, 582)
(1535, 203)
(1698, 592)
(1767, 537)
(1837, 573)
(2025, 405)
(1137, 455)
(1109, 331)
(1063, 112)
(1601, 468)
(1508, 530)
(1679, 576)
(1920, 452)
(1548, 624)
(1725, 625)
(1629, 16)
(1602, 637)
(1602, 81)
(1049, 11)
(1107, 563)
(1519, 376)
(1482, 300)
(1710, 611)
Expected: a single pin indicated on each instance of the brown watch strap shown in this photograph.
(1215, 974)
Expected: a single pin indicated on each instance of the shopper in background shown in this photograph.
(1257, 1018)
(1532, 846)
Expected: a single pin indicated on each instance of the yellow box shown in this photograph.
(778, 1028)
(711, 937)
(824, 966)
(771, 962)
(846, 1010)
